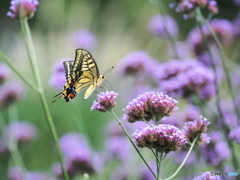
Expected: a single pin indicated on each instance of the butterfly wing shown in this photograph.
(68, 66)
(90, 74)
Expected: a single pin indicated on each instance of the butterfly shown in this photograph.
(80, 73)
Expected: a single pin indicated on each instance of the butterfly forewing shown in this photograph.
(68, 65)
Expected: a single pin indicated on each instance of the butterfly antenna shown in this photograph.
(109, 84)
(56, 96)
(109, 70)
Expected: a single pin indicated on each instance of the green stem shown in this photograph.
(223, 60)
(20, 75)
(33, 62)
(185, 159)
(125, 131)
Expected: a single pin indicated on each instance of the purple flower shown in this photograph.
(150, 106)
(182, 50)
(236, 25)
(217, 151)
(136, 63)
(28, 8)
(20, 131)
(10, 93)
(16, 173)
(163, 25)
(207, 176)
(235, 134)
(77, 154)
(85, 39)
(222, 28)
(163, 138)
(105, 101)
(212, 6)
(190, 77)
(194, 128)
(237, 2)
(58, 78)
(4, 72)
(118, 147)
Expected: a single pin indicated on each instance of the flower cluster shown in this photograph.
(28, 8)
(185, 78)
(222, 28)
(217, 150)
(4, 72)
(162, 26)
(105, 101)
(150, 106)
(20, 132)
(235, 135)
(10, 93)
(197, 127)
(163, 138)
(136, 63)
(77, 154)
(84, 39)
(58, 79)
(189, 6)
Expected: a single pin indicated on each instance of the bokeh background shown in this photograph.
(116, 28)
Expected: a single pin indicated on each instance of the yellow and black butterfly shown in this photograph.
(80, 73)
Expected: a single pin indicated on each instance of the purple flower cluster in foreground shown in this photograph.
(28, 8)
(163, 26)
(150, 106)
(163, 138)
(105, 101)
(193, 128)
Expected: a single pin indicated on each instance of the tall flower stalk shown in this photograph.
(23, 10)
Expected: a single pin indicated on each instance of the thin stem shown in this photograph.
(223, 60)
(125, 131)
(20, 75)
(158, 165)
(185, 159)
(33, 62)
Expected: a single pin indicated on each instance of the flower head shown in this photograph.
(163, 138)
(85, 39)
(150, 106)
(58, 78)
(207, 175)
(136, 63)
(77, 154)
(4, 71)
(217, 150)
(10, 93)
(194, 128)
(235, 135)
(28, 8)
(20, 131)
(105, 101)
(163, 25)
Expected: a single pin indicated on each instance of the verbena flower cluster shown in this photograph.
(150, 106)
(207, 175)
(186, 78)
(194, 128)
(105, 101)
(4, 73)
(187, 7)
(84, 39)
(163, 138)
(27, 8)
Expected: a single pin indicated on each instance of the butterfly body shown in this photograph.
(80, 73)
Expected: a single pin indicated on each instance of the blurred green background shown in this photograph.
(120, 27)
